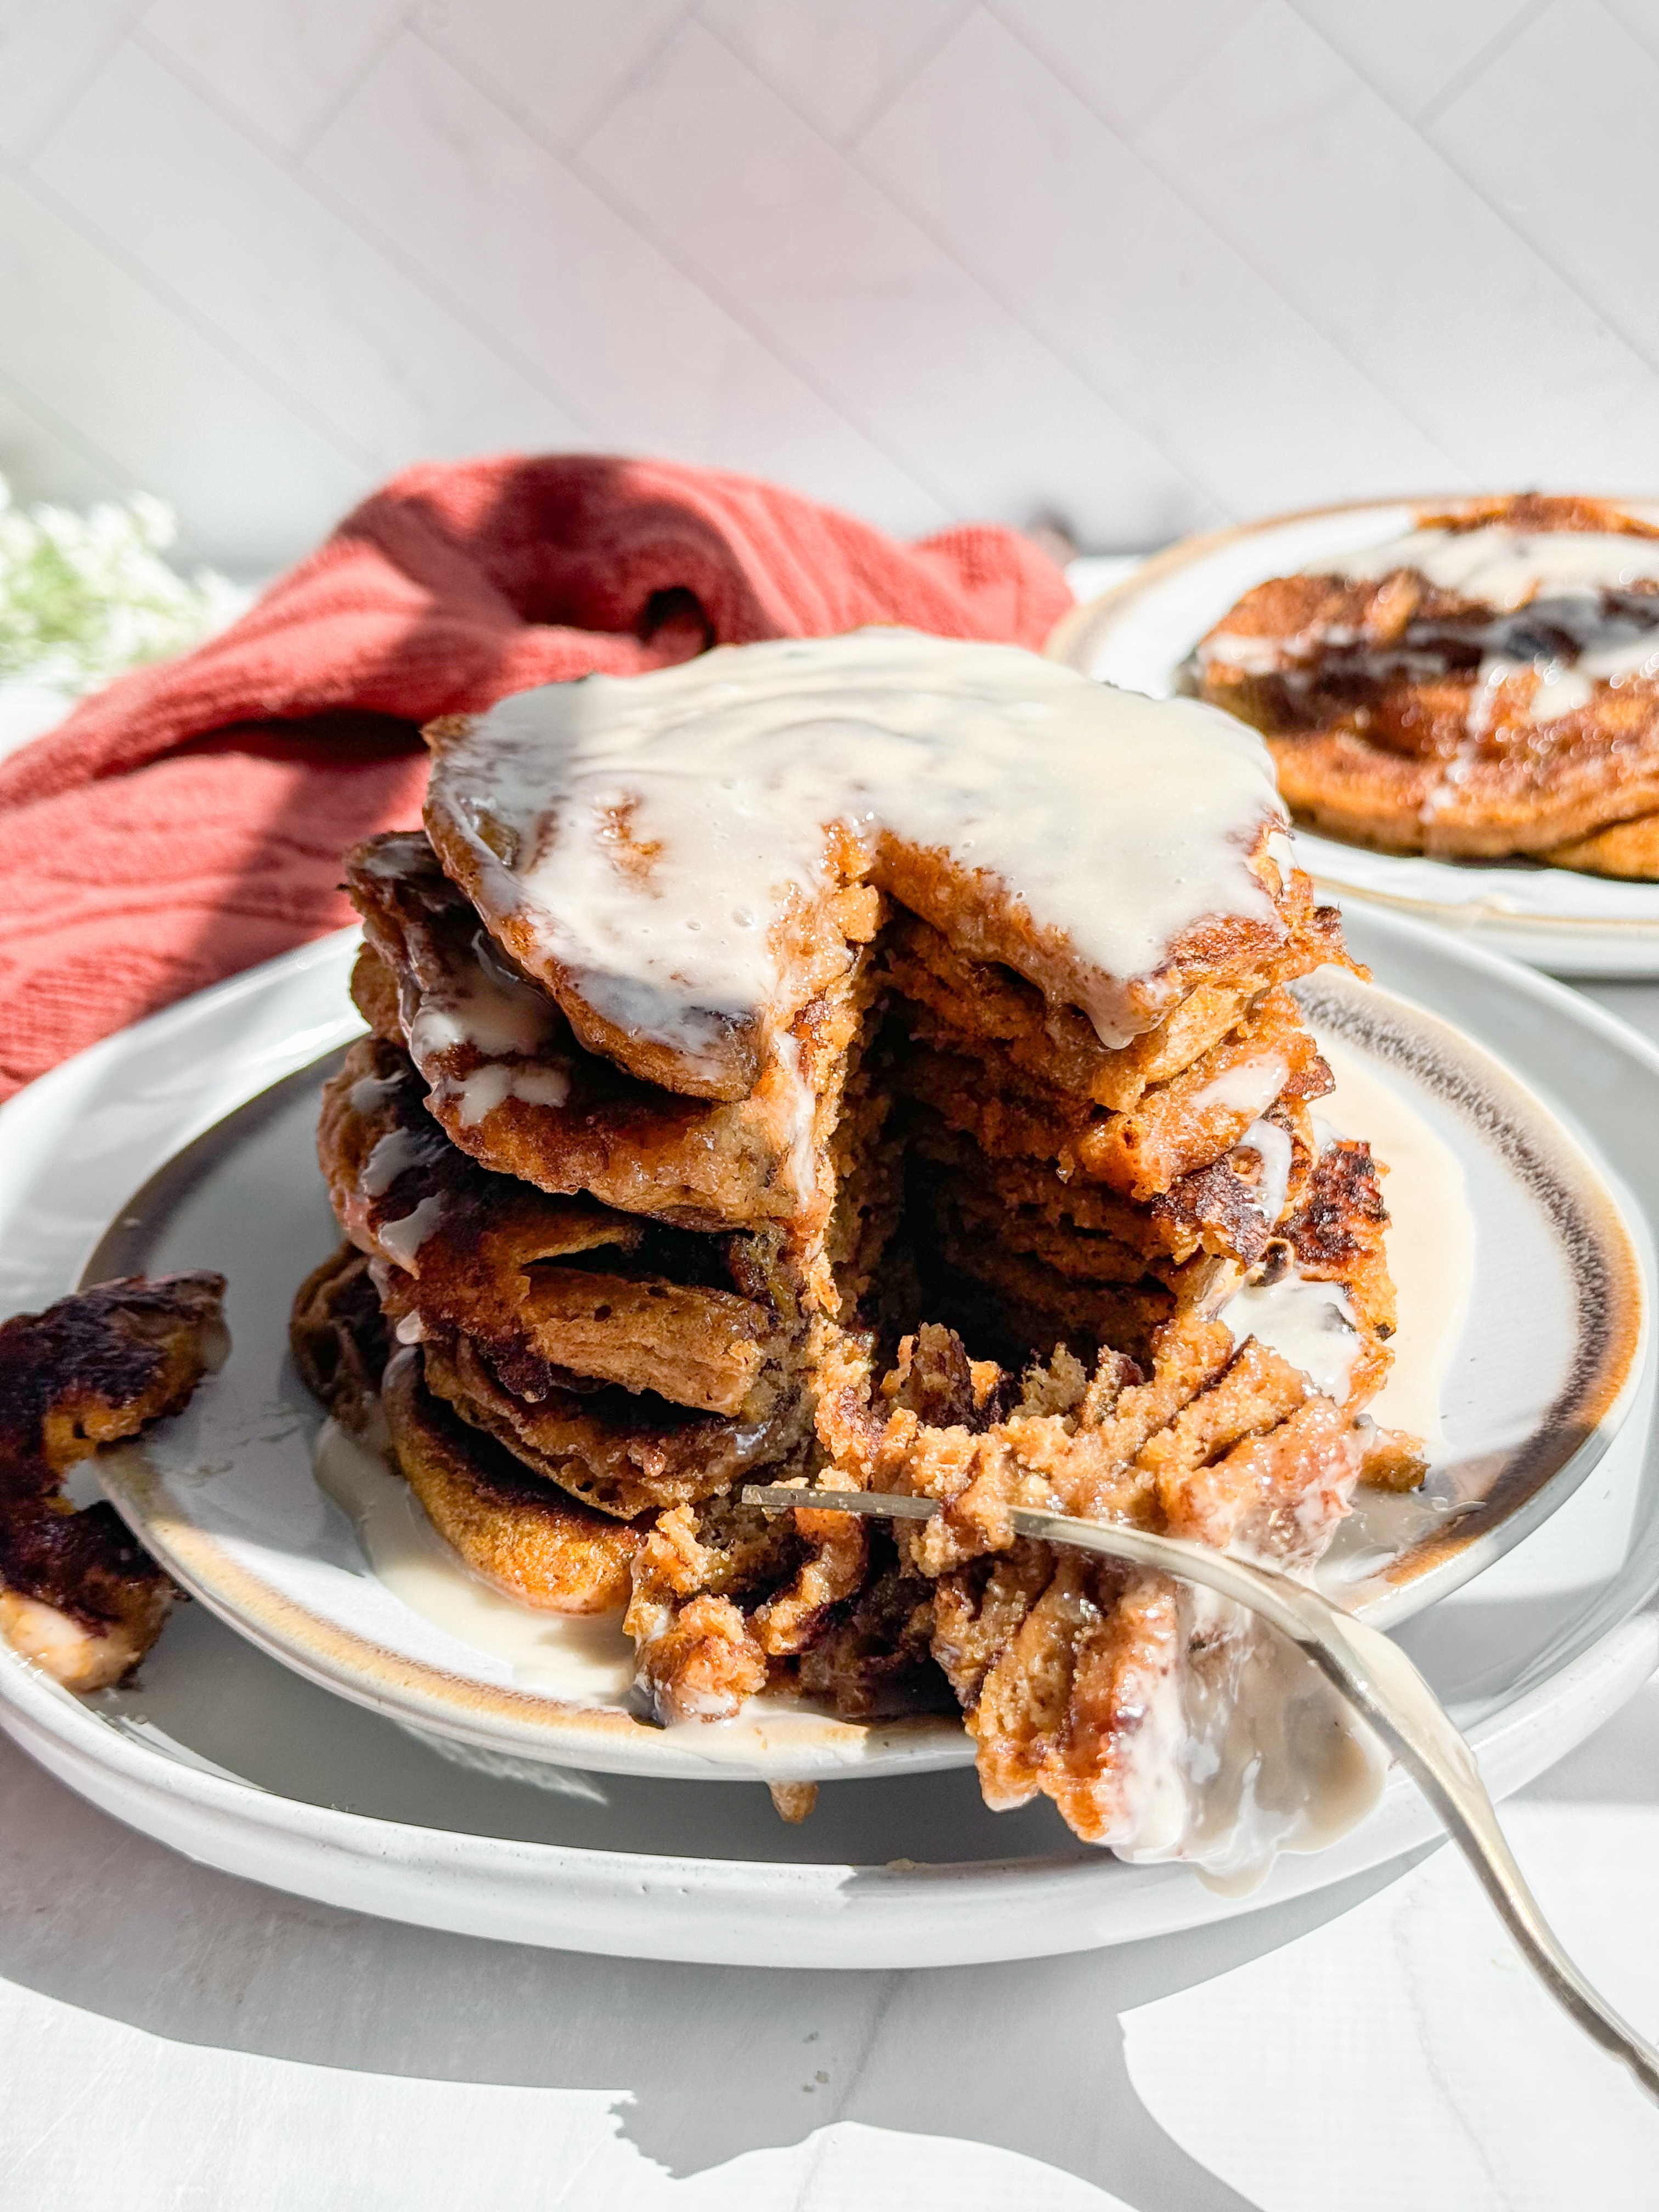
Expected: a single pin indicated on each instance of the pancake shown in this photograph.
(339, 1340)
(99, 1366)
(1628, 849)
(1060, 1660)
(1488, 685)
(1189, 1122)
(543, 1283)
(527, 1537)
(510, 1084)
(983, 1001)
(618, 1450)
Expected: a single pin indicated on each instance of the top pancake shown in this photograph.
(686, 858)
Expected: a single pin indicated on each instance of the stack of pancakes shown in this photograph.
(593, 1289)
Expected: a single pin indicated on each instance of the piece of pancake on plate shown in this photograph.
(79, 1596)
(1485, 686)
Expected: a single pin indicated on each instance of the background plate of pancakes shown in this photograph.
(1140, 633)
(247, 1763)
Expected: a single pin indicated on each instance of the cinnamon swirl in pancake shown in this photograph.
(1487, 685)
(863, 1060)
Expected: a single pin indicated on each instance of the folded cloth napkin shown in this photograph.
(189, 820)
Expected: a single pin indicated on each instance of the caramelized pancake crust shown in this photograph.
(78, 1594)
(543, 1284)
(619, 1451)
(510, 1084)
(521, 1534)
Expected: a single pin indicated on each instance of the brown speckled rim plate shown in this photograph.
(1589, 1228)
(1076, 636)
(1568, 944)
(171, 1487)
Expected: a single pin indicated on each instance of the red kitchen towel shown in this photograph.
(188, 820)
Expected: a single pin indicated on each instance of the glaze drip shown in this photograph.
(655, 843)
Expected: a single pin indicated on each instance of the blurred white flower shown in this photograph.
(84, 597)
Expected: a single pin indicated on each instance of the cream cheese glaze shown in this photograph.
(1430, 1239)
(1247, 1750)
(647, 838)
(581, 1658)
(1506, 568)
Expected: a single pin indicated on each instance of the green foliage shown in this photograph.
(83, 597)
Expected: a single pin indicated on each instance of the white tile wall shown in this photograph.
(1145, 267)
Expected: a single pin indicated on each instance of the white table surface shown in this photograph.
(172, 2037)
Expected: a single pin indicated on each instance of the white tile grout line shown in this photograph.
(1463, 77)
(340, 98)
(998, 10)
(571, 160)
(292, 161)
(484, 82)
(296, 168)
(1172, 184)
(117, 32)
(29, 402)
(1079, 364)
(1437, 146)
(185, 311)
(902, 79)
(1628, 19)
(974, 276)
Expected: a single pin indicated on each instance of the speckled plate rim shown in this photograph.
(1612, 1270)
(1613, 1311)
(1573, 945)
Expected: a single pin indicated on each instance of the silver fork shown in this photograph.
(1376, 1677)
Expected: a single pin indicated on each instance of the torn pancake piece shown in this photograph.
(1159, 1721)
(78, 1594)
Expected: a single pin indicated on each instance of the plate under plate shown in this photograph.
(236, 1760)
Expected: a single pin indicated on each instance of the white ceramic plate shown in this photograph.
(1137, 633)
(227, 1498)
(241, 1763)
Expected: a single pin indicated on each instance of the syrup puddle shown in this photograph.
(1431, 1247)
(583, 1657)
